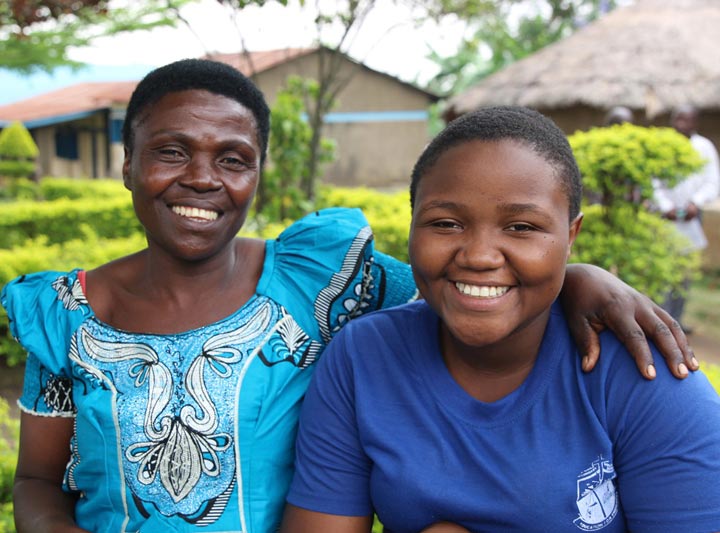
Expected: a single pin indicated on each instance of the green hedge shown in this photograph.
(9, 432)
(59, 220)
(72, 188)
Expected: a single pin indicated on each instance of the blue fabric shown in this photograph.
(385, 428)
(163, 421)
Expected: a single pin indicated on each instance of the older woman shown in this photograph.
(162, 389)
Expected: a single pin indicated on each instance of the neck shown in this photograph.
(491, 372)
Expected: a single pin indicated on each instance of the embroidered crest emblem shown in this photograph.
(597, 499)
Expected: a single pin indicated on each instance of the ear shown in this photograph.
(574, 231)
(126, 169)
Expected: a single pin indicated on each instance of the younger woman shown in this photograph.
(471, 406)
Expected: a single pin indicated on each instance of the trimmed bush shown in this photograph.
(9, 433)
(17, 143)
(640, 248)
(59, 220)
(17, 151)
(620, 234)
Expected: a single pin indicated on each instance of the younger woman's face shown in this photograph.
(489, 240)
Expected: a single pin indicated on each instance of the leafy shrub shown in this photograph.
(640, 248)
(16, 169)
(9, 432)
(22, 189)
(17, 143)
(59, 220)
(618, 160)
(74, 189)
(282, 193)
(713, 374)
(17, 151)
(620, 234)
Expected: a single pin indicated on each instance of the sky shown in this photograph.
(388, 41)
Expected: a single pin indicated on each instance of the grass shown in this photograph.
(703, 307)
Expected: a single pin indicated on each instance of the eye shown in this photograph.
(521, 227)
(235, 161)
(445, 224)
(170, 153)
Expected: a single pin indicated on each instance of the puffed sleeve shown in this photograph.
(44, 309)
(325, 271)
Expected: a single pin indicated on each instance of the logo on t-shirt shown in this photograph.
(597, 501)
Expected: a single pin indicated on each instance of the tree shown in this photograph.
(37, 34)
(336, 26)
(506, 32)
(280, 191)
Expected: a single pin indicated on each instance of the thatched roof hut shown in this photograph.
(650, 56)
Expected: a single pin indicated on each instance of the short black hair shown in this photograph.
(202, 74)
(498, 123)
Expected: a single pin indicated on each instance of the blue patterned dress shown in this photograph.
(194, 431)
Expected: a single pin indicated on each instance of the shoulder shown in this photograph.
(330, 223)
(325, 270)
(384, 338)
(630, 401)
(42, 290)
(44, 309)
(704, 145)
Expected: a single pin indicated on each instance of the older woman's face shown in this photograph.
(193, 170)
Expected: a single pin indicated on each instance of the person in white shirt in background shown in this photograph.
(683, 203)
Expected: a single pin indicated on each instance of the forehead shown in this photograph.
(496, 160)
(191, 104)
(492, 171)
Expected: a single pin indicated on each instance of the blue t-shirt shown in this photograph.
(195, 431)
(385, 428)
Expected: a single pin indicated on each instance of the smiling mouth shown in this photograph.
(481, 291)
(194, 212)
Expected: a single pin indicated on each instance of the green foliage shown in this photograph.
(618, 160)
(9, 433)
(281, 195)
(388, 214)
(59, 220)
(713, 374)
(620, 235)
(69, 188)
(504, 32)
(17, 143)
(16, 169)
(640, 248)
(38, 35)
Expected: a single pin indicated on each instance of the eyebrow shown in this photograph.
(510, 208)
(439, 204)
(522, 208)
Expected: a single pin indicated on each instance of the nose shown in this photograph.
(480, 250)
(201, 174)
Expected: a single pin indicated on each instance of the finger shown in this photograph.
(587, 341)
(636, 343)
(668, 336)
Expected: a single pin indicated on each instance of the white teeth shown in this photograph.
(481, 291)
(194, 212)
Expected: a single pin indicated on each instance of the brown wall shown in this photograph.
(579, 117)
(376, 153)
(91, 130)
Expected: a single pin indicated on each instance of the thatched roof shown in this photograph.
(652, 56)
